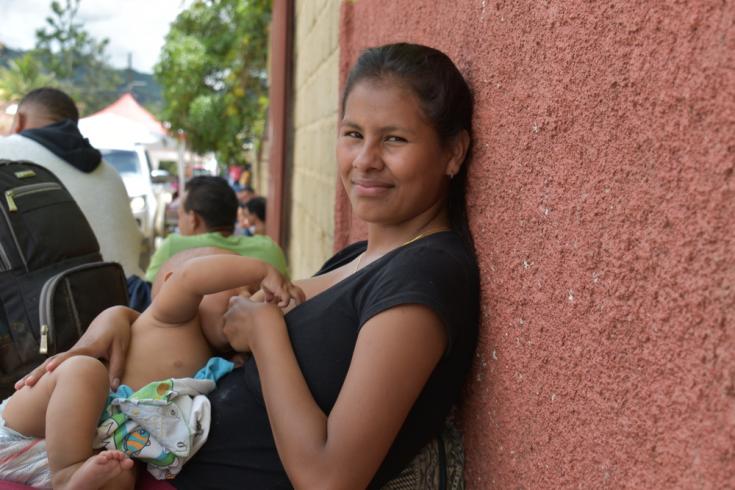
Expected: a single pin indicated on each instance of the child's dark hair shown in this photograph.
(57, 104)
(445, 98)
(213, 199)
(256, 206)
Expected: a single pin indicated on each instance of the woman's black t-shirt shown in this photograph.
(436, 271)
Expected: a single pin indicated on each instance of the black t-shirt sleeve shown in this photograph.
(423, 275)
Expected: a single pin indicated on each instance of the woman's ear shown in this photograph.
(457, 152)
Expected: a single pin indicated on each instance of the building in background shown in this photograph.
(602, 203)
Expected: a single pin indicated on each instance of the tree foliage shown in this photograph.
(212, 71)
(76, 59)
(21, 76)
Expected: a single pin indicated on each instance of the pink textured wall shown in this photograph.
(602, 201)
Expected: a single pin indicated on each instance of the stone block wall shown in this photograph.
(312, 163)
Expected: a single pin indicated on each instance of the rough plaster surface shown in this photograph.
(602, 202)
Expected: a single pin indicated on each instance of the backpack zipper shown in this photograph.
(43, 344)
(45, 308)
(15, 238)
(44, 311)
(4, 260)
(12, 194)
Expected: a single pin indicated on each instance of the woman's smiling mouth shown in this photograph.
(370, 188)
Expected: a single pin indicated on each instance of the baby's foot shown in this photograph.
(98, 470)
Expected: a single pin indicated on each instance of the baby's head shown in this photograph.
(213, 306)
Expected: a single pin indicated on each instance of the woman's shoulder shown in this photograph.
(444, 249)
(438, 271)
(438, 265)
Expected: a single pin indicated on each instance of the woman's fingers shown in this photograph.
(282, 295)
(288, 291)
(47, 366)
(297, 293)
(291, 292)
(31, 378)
(116, 366)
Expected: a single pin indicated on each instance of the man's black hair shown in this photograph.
(256, 206)
(56, 103)
(213, 199)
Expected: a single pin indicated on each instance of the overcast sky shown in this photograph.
(132, 26)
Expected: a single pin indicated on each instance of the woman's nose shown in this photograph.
(369, 157)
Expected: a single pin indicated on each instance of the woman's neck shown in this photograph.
(384, 238)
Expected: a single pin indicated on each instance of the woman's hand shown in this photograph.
(107, 337)
(277, 289)
(244, 317)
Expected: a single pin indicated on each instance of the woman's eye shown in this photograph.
(352, 134)
(395, 139)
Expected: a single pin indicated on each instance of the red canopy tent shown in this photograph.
(126, 106)
(123, 123)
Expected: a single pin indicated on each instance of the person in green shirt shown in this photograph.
(207, 216)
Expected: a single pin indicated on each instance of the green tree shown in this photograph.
(21, 76)
(75, 58)
(212, 70)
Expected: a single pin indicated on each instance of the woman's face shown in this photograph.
(391, 162)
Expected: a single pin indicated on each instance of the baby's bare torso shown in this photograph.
(160, 351)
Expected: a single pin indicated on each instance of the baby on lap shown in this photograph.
(175, 337)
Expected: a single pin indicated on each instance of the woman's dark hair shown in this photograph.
(213, 199)
(445, 98)
(256, 206)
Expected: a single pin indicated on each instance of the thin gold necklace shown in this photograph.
(420, 235)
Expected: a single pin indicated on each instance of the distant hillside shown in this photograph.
(7, 54)
(143, 86)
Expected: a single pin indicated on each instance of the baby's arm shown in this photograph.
(120, 316)
(179, 298)
(114, 326)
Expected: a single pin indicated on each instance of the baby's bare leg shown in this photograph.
(71, 424)
(72, 397)
(25, 411)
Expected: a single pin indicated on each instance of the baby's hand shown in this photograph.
(277, 289)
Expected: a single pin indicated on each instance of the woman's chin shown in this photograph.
(371, 215)
(372, 210)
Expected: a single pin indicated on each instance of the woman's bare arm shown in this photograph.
(395, 354)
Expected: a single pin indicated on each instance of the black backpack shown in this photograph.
(53, 281)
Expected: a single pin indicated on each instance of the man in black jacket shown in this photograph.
(44, 131)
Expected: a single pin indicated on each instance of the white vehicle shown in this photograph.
(133, 166)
